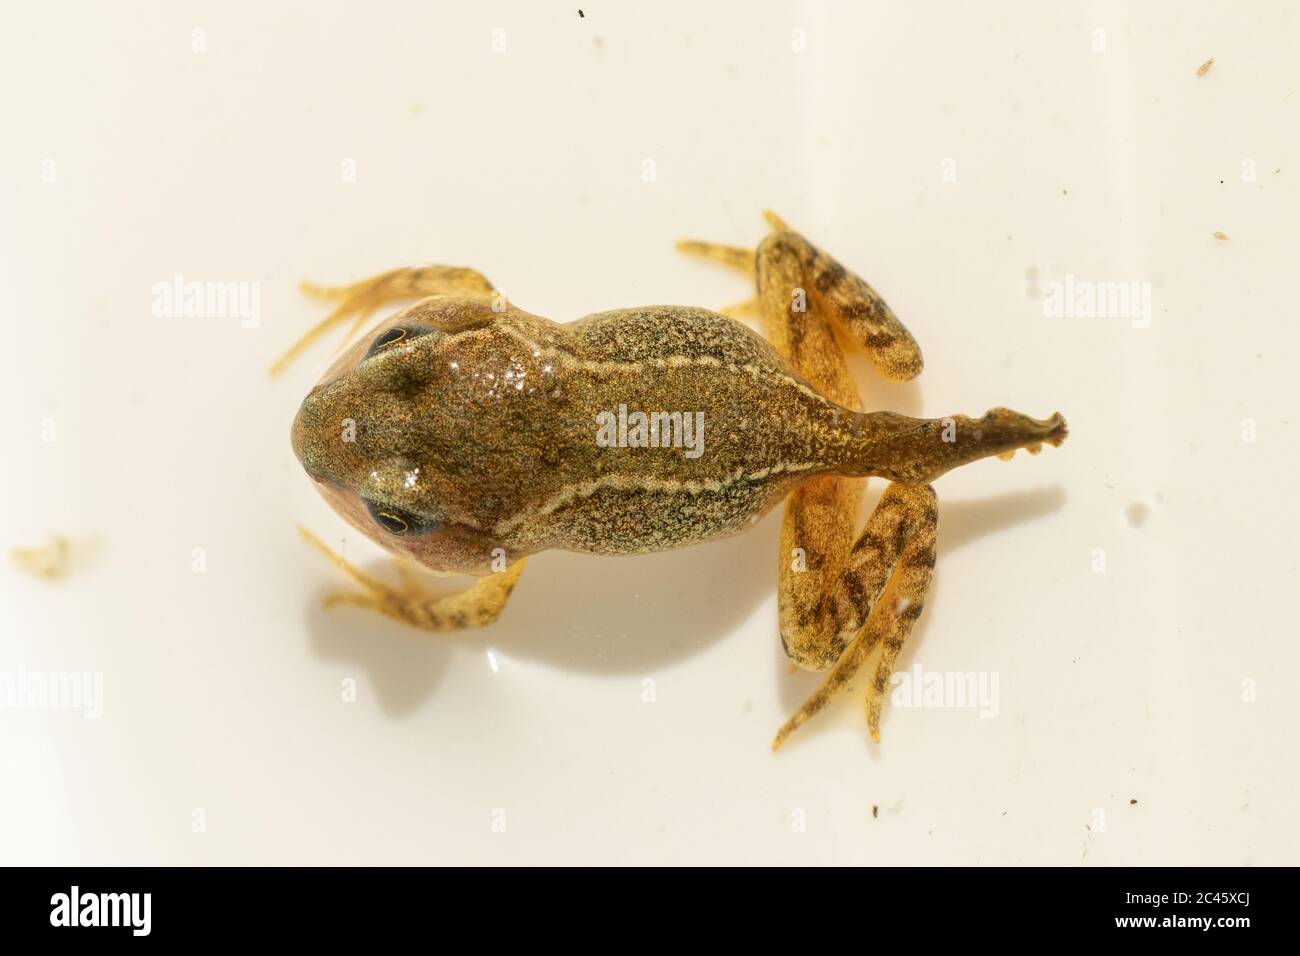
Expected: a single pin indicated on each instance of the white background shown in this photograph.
(223, 689)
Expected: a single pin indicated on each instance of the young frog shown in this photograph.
(466, 434)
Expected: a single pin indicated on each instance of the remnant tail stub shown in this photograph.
(918, 450)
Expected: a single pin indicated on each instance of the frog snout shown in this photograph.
(306, 434)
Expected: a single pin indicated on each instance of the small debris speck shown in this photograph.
(1221, 236)
(1132, 802)
(1136, 514)
(1205, 67)
(875, 810)
(46, 561)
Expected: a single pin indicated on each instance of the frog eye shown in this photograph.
(388, 337)
(398, 333)
(392, 520)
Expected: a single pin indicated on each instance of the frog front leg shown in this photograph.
(839, 599)
(362, 299)
(477, 606)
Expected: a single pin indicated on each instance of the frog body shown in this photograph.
(625, 432)
(466, 434)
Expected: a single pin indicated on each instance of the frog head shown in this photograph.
(393, 434)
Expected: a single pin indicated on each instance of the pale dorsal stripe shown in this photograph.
(622, 482)
(756, 372)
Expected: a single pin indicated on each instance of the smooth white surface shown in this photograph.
(222, 689)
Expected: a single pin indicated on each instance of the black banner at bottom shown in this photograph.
(92, 905)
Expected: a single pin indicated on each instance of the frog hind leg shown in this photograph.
(874, 599)
(478, 605)
(844, 298)
(733, 257)
(838, 294)
(362, 299)
(839, 598)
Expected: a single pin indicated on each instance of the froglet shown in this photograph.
(465, 434)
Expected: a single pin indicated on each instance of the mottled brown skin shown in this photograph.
(497, 417)
(462, 434)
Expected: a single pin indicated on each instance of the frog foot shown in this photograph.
(478, 605)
